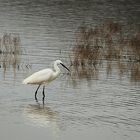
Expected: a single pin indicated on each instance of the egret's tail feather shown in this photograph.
(25, 81)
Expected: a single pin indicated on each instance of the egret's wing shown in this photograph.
(39, 77)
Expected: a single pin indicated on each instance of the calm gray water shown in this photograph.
(103, 108)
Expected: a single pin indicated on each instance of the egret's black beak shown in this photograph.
(64, 66)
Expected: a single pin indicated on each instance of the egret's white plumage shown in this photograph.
(44, 76)
(41, 77)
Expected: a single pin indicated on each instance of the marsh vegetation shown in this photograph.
(10, 53)
(108, 44)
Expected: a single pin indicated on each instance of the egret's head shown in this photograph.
(60, 62)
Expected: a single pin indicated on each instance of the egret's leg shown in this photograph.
(36, 92)
(43, 94)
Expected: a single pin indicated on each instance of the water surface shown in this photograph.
(105, 105)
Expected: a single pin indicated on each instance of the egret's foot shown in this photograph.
(36, 99)
(36, 92)
(43, 100)
(43, 94)
(35, 96)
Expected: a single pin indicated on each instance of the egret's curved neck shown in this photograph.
(56, 68)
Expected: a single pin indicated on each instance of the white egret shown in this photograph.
(44, 77)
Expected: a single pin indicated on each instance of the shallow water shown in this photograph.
(104, 106)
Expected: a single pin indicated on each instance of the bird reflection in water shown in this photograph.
(42, 116)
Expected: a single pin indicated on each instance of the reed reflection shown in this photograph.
(106, 46)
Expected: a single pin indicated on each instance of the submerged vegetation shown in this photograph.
(110, 46)
(106, 44)
(10, 51)
(10, 43)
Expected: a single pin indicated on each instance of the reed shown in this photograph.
(105, 43)
(10, 43)
(134, 45)
(88, 47)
